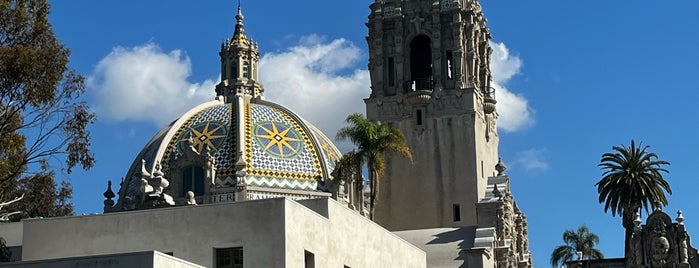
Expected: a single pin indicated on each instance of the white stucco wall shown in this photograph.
(344, 238)
(190, 233)
(148, 259)
(12, 233)
(273, 233)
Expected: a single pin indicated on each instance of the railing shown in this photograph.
(420, 84)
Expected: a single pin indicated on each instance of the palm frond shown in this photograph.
(580, 240)
(632, 178)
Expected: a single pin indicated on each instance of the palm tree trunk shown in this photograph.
(358, 189)
(373, 186)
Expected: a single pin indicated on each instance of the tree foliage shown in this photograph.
(43, 197)
(349, 170)
(632, 179)
(581, 240)
(373, 140)
(41, 114)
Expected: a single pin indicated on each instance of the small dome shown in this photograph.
(268, 146)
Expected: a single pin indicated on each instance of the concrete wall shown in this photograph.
(272, 232)
(452, 160)
(190, 233)
(344, 238)
(150, 259)
(12, 233)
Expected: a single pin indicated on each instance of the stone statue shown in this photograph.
(145, 187)
(159, 181)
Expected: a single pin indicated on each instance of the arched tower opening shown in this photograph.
(421, 62)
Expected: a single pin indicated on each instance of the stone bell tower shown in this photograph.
(430, 78)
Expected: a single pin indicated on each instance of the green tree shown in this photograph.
(581, 240)
(632, 180)
(41, 114)
(373, 140)
(39, 94)
(43, 197)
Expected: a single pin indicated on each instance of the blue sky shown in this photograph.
(582, 76)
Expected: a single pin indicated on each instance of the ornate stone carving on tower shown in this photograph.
(430, 77)
(498, 211)
(660, 243)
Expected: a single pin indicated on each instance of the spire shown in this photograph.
(239, 37)
(239, 64)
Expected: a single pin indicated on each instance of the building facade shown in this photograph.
(430, 78)
(243, 181)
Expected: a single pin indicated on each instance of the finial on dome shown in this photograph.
(108, 195)
(191, 201)
(239, 37)
(680, 218)
(239, 15)
(144, 172)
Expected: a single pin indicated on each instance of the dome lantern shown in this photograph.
(239, 65)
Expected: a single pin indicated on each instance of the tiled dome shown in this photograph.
(272, 145)
(237, 147)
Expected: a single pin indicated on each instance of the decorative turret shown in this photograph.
(108, 195)
(239, 65)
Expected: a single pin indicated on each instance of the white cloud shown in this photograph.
(317, 80)
(532, 160)
(144, 83)
(514, 111)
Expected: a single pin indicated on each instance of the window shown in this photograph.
(229, 257)
(418, 117)
(482, 170)
(391, 72)
(308, 259)
(457, 212)
(450, 65)
(421, 62)
(234, 69)
(193, 180)
(246, 69)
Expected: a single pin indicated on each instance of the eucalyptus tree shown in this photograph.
(42, 116)
(40, 106)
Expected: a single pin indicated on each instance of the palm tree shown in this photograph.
(349, 169)
(582, 241)
(373, 140)
(632, 180)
